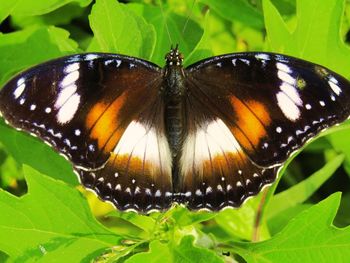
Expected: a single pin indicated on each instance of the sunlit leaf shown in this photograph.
(309, 237)
(51, 222)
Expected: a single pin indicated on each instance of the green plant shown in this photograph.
(53, 221)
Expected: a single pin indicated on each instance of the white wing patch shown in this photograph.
(144, 143)
(207, 142)
(288, 106)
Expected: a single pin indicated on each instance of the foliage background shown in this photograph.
(45, 216)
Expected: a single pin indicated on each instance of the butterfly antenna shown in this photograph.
(165, 22)
(188, 17)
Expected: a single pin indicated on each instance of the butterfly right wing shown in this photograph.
(247, 113)
(104, 113)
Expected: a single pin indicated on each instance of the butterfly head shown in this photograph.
(174, 57)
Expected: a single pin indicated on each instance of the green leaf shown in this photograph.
(39, 7)
(52, 222)
(285, 7)
(238, 10)
(60, 16)
(317, 34)
(240, 222)
(10, 172)
(185, 252)
(22, 49)
(29, 150)
(341, 142)
(221, 41)
(203, 49)
(302, 191)
(184, 217)
(158, 252)
(143, 222)
(309, 237)
(188, 252)
(119, 30)
(279, 221)
(7, 6)
(169, 28)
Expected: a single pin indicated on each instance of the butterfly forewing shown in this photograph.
(84, 105)
(271, 103)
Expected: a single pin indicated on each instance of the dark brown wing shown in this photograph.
(102, 112)
(247, 114)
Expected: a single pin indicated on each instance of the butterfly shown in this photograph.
(208, 136)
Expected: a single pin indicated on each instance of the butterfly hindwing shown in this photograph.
(84, 105)
(215, 169)
(137, 174)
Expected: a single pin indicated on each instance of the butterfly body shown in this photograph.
(174, 91)
(208, 136)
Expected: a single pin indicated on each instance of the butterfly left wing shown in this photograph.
(247, 113)
(104, 113)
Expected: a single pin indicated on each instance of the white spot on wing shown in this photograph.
(20, 88)
(245, 61)
(287, 106)
(90, 56)
(286, 77)
(64, 95)
(333, 84)
(72, 67)
(70, 78)
(262, 56)
(67, 111)
(292, 93)
(215, 137)
(141, 141)
(283, 67)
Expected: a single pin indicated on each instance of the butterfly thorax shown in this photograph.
(173, 92)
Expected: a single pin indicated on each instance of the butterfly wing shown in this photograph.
(102, 112)
(247, 113)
